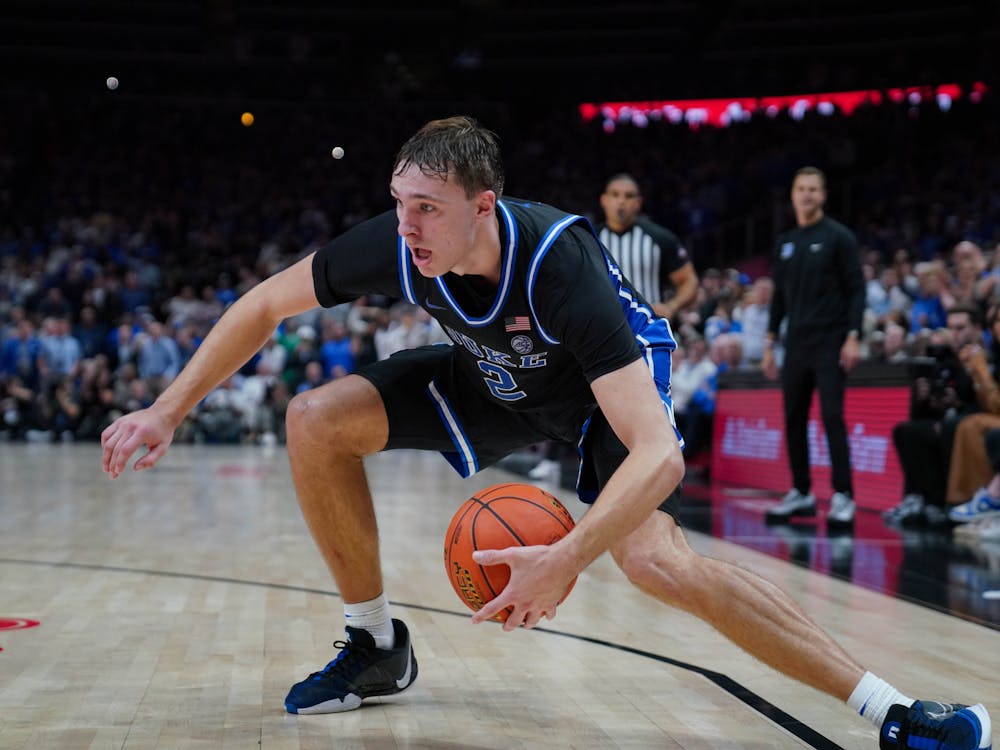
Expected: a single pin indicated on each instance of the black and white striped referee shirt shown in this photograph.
(647, 254)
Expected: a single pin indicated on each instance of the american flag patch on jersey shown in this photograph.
(517, 323)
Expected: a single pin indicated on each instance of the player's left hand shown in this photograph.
(537, 583)
(127, 434)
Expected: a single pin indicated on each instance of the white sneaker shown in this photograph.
(794, 503)
(841, 510)
(546, 470)
(982, 505)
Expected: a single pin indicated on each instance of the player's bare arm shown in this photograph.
(240, 332)
(654, 466)
(539, 575)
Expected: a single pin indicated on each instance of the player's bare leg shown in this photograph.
(330, 431)
(753, 613)
(764, 621)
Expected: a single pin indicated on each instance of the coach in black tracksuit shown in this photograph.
(819, 287)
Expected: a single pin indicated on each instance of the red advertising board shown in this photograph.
(748, 442)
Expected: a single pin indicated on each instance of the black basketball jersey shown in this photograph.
(561, 316)
(818, 281)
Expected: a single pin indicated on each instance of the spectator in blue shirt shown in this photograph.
(90, 332)
(313, 377)
(338, 350)
(61, 353)
(19, 355)
(928, 309)
(133, 295)
(159, 356)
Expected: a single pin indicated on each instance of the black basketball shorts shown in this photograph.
(429, 410)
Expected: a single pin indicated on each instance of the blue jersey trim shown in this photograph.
(588, 493)
(536, 261)
(650, 330)
(464, 461)
(506, 277)
(406, 273)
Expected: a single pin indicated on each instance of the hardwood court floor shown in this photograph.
(177, 605)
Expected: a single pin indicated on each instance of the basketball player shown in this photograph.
(649, 256)
(548, 342)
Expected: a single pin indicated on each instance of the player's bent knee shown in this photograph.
(653, 571)
(657, 559)
(299, 414)
(638, 565)
(344, 413)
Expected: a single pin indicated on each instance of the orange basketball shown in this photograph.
(504, 515)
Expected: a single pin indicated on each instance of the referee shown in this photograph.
(650, 256)
(819, 288)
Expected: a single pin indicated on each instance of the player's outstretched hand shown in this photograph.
(537, 583)
(128, 433)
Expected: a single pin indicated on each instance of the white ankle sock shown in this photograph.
(873, 697)
(372, 616)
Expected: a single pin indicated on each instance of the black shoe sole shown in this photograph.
(362, 695)
(771, 517)
(835, 524)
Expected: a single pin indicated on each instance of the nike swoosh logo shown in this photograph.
(403, 681)
(431, 306)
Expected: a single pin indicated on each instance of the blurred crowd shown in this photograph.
(68, 378)
(127, 229)
(77, 353)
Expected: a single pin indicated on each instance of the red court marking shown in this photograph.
(16, 623)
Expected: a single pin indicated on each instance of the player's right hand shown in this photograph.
(126, 434)
(537, 584)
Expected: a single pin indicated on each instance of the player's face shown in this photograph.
(621, 203)
(438, 222)
(808, 195)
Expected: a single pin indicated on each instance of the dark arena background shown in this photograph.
(158, 159)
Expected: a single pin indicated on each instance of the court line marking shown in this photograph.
(759, 704)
